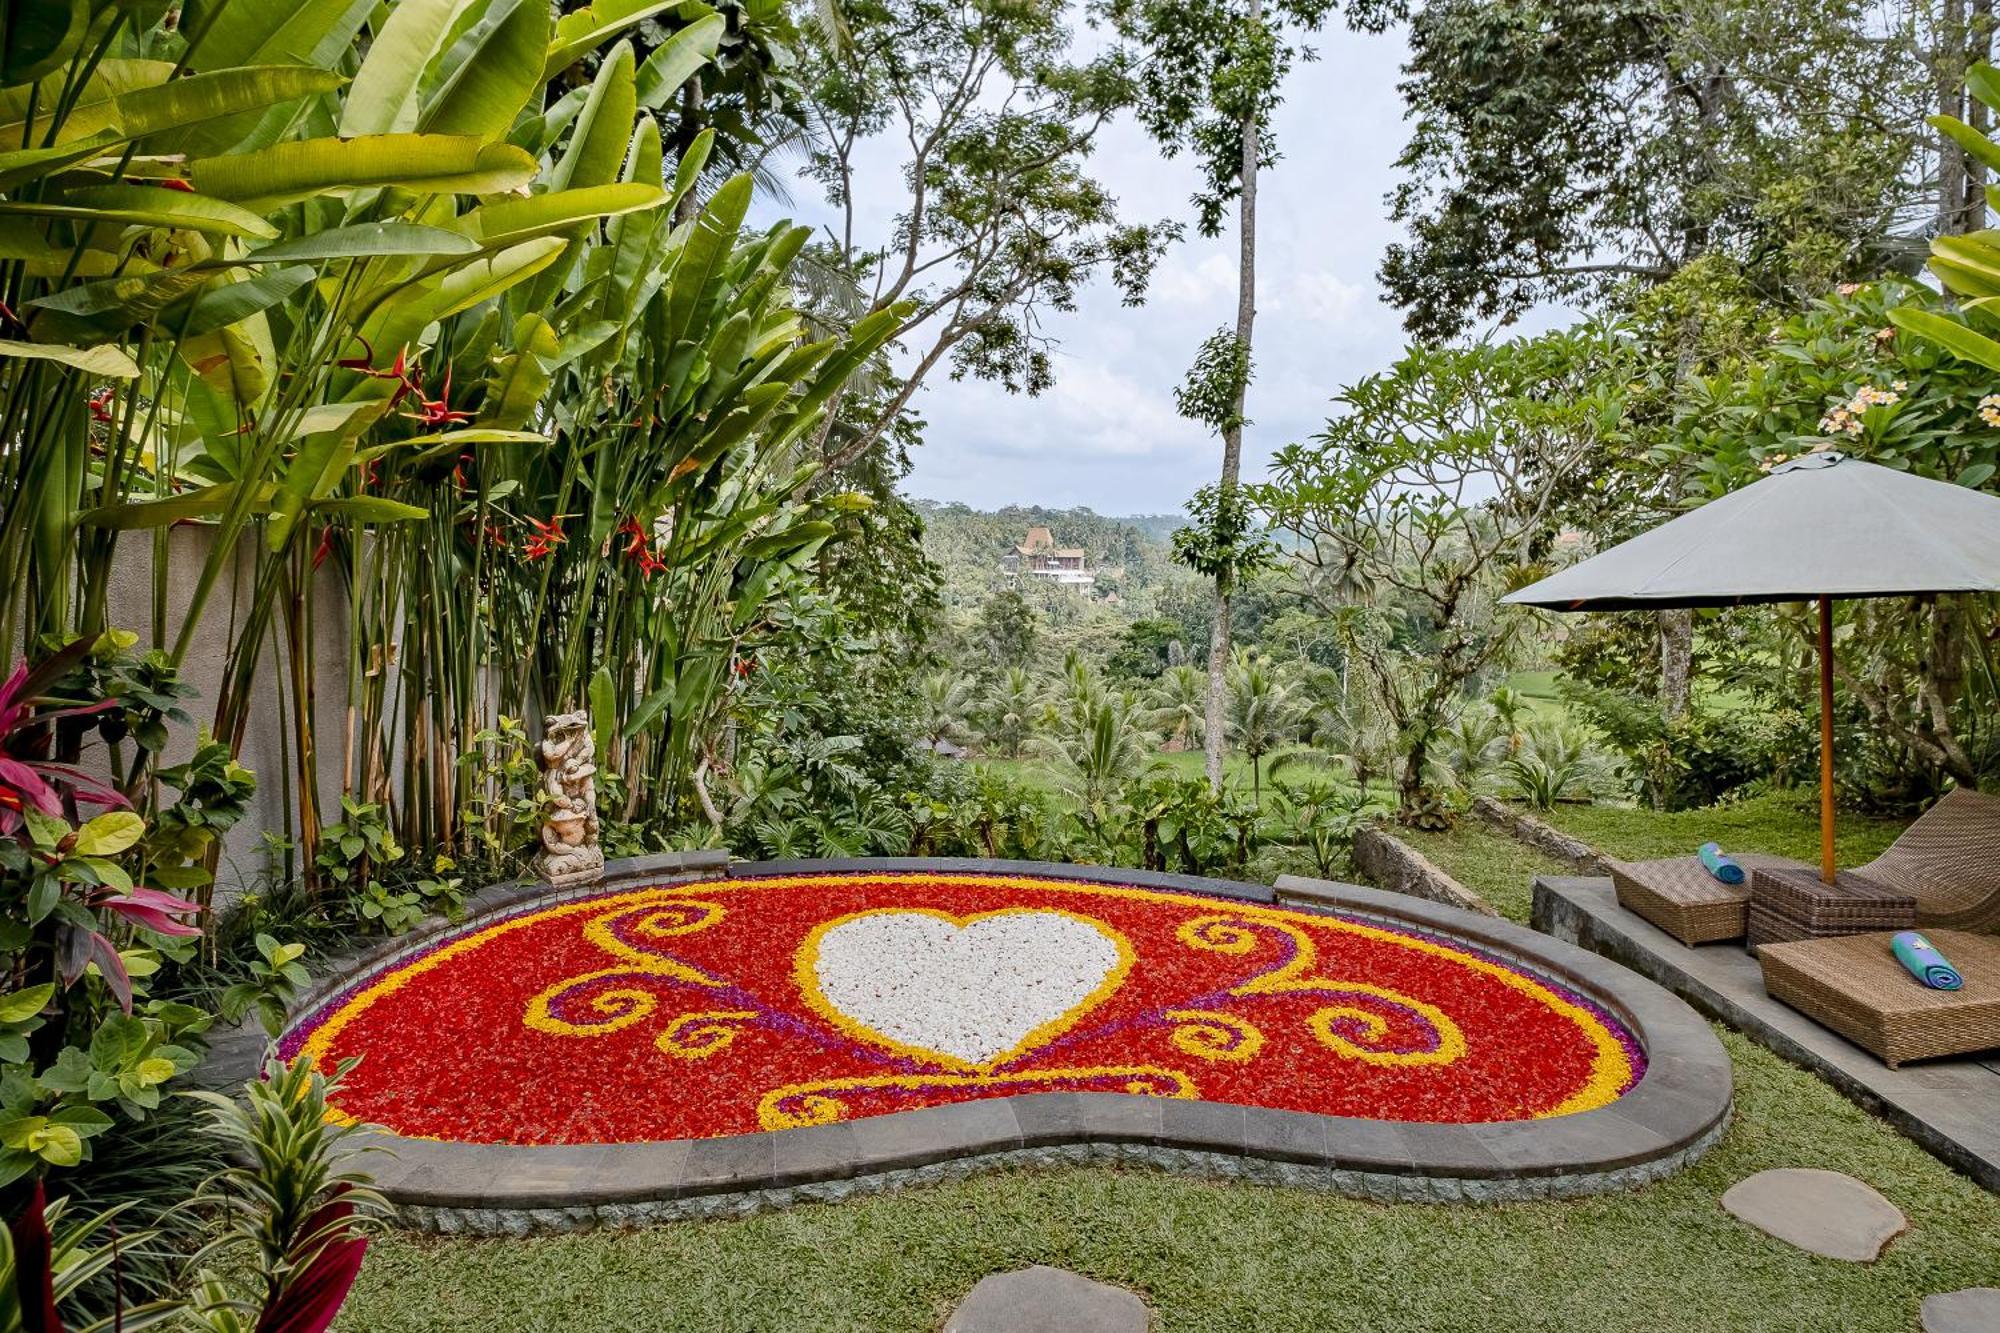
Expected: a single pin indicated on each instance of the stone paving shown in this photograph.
(1043, 1299)
(1823, 1212)
(1974, 1310)
(1678, 1109)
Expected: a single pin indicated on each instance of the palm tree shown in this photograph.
(1101, 744)
(1510, 708)
(1011, 710)
(1262, 713)
(944, 698)
(1469, 746)
(1180, 697)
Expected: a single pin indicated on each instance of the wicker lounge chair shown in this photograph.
(1680, 897)
(1949, 861)
(1793, 903)
(1854, 985)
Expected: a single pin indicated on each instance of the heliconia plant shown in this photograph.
(442, 330)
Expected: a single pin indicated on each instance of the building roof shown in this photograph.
(1039, 539)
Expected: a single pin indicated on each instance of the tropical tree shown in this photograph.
(1208, 76)
(1000, 224)
(1011, 705)
(1439, 480)
(1180, 704)
(1472, 745)
(1263, 713)
(1101, 742)
(945, 698)
(431, 339)
(1630, 139)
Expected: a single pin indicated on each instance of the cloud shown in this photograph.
(1107, 434)
(1204, 284)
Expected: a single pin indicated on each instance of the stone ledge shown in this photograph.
(1678, 1109)
(1400, 868)
(1377, 1187)
(1543, 837)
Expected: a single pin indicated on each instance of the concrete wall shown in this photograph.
(266, 749)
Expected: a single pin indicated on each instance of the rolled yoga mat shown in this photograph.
(1719, 865)
(1925, 963)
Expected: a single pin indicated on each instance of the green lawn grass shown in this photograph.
(1783, 823)
(1221, 1258)
(1535, 684)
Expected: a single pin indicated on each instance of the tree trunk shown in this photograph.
(1412, 793)
(1216, 742)
(1948, 65)
(1676, 662)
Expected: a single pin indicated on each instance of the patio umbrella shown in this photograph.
(1818, 528)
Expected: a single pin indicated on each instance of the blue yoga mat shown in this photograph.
(1719, 865)
(1925, 963)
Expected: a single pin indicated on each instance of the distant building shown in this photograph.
(1040, 558)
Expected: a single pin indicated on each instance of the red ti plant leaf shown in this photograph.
(105, 955)
(315, 1294)
(154, 910)
(21, 787)
(34, 1266)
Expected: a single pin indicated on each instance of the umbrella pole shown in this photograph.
(1827, 869)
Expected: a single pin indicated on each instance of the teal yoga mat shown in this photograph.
(1719, 865)
(1923, 960)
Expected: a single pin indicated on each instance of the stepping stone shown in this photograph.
(1974, 1310)
(1039, 1299)
(1824, 1212)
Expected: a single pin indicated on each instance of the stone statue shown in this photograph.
(569, 854)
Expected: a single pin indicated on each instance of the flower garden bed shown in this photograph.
(770, 1031)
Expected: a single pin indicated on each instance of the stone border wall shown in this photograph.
(1543, 837)
(1677, 1110)
(1395, 865)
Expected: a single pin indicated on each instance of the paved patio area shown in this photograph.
(1951, 1107)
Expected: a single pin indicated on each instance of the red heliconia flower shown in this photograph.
(649, 564)
(325, 547)
(548, 536)
(634, 534)
(436, 411)
(175, 183)
(402, 370)
(100, 405)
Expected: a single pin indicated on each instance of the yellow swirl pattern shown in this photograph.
(1375, 1028)
(618, 1007)
(698, 1036)
(653, 921)
(1210, 1034)
(1231, 933)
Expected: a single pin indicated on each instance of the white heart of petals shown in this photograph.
(968, 990)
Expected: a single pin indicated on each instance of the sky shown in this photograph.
(1106, 436)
